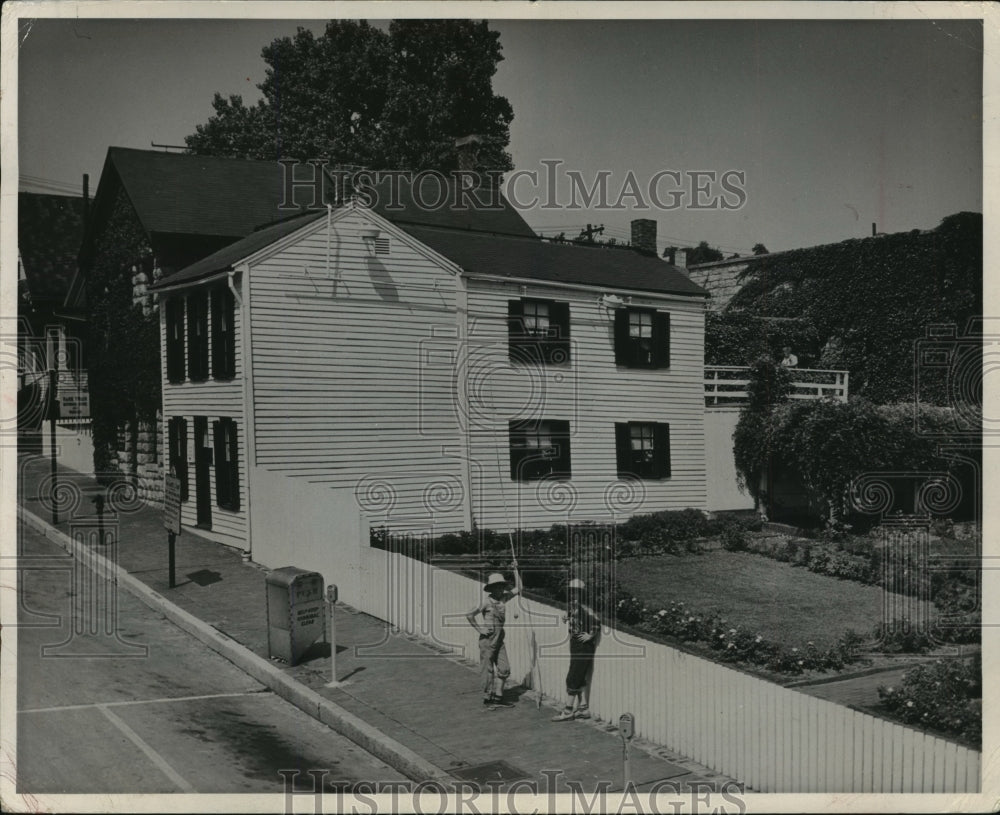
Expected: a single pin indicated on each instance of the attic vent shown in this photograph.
(381, 246)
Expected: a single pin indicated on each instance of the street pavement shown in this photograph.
(140, 706)
(427, 701)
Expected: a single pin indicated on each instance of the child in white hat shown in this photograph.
(584, 627)
(494, 666)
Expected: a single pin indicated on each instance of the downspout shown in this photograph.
(461, 385)
(249, 433)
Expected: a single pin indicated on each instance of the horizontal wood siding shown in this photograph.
(212, 399)
(342, 392)
(592, 393)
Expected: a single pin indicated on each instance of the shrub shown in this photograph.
(901, 638)
(734, 539)
(945, 696)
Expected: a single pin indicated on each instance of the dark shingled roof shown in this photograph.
(484, 253)
(480, 210)
(49, 231)
(235, 252)
(557, 262)
(180, 193)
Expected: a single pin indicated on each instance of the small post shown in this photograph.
(171, 557)
(53, 406)
(626, 730)
(331, 602)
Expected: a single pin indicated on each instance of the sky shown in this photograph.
(824, 126)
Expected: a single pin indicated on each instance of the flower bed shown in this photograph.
(945, 696)
(737, 644)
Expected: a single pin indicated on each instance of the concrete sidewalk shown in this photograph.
(409, 701)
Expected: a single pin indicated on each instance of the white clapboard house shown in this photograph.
(426, 369)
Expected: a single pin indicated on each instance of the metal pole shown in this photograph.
(626, 768)
(52, 404)
(331, 602)
(171, 541)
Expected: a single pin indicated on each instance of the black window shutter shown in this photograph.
(558, 344)
(623, 448)
(661, 339)
(661, 449)
(230, 311)
(221, 481)
(218, 352)
(623, 347)
(234, 469)
(516, 450)
(560, 436)
(515, 328)
(175, 339)
(182, 464)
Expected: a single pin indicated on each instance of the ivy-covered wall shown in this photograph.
(859, 305)
(124, 353)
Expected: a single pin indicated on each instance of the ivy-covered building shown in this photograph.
(153, 213)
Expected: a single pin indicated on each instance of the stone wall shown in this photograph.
(720, 278)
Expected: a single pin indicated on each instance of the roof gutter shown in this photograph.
(198, 281)
(530, 281)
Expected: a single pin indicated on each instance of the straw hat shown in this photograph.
(495, 579)
(576, 583)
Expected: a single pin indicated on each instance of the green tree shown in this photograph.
(359, 95)
(703, 253)
(759, 249)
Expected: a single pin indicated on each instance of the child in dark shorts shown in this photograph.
(584, 627)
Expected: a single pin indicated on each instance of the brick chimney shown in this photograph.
(644, 235)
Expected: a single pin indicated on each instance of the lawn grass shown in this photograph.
(784, 603)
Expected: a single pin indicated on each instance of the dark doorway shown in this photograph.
(202, 470)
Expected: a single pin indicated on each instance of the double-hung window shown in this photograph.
(643, 449)
(539, 449)
(642, 338)
(538, 331)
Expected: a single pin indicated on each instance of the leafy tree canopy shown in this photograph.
(759, 249)
(359, 95)
(703, 253)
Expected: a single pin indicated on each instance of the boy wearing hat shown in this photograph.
(493, 664)
(584, 627)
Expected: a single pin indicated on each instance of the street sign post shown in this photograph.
(172, 519)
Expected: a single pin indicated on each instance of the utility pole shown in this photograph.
(588, 233)
(52, 404)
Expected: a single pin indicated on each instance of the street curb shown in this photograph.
(386, 748)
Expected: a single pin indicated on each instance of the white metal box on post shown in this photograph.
(296, 613)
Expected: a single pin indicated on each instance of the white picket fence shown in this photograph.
(771, 738)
